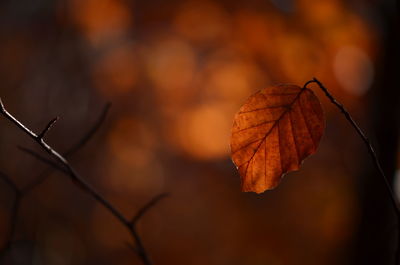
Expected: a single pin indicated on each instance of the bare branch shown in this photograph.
(48, 127)
(147, 207)
(13, 224)
(9, 182)
(139, 249)
(80, 144)
(13, 218)
(11, 118)
(2, 108)
(14, 212)
(365, 140)
(43, 159)
(89, 134)
(20, 193)
(131, 247)
(78, 180)
(373, 155)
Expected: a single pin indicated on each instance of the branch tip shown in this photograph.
(85, 138)
(48, 127)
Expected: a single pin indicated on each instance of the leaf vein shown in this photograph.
(279, 147)
(246, 145)
(305, 122)
(264, 108)
(294, 138)
(254, 126)
(273, 126)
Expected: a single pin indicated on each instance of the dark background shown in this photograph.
(176, 72)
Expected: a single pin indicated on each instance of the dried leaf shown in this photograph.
(273, 132)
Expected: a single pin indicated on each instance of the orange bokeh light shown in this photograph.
(100, 20)
(117, 70)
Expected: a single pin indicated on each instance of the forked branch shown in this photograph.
(76, 147)
(147, 206)
(20, 193)
(80, 182)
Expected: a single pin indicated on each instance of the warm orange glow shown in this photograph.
(258, 32)
(322, 12)
(203, 132)
(133, 164)
(117, 70)
(353, 70)
(100, 19)
(131, 142)
(176, 73)
(229, 78)
(201, 21)
(171, 65)
(300, 57)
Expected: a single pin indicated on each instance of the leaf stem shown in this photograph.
(372, 153)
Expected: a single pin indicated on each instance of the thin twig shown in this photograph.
(89, 134)
(139, 244)
(77, 179)
(147, 206)
(9, 182)
(139, 249)
(48, 127)
(13, 224)
(14, 216)
(365, 140)
(20, 193)
(43, 159)
(76, 147)
(372, 153)
(131, 247)
(14, 211)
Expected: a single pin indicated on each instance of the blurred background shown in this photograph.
(176, 72)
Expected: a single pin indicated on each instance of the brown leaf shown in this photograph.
(273, 132)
